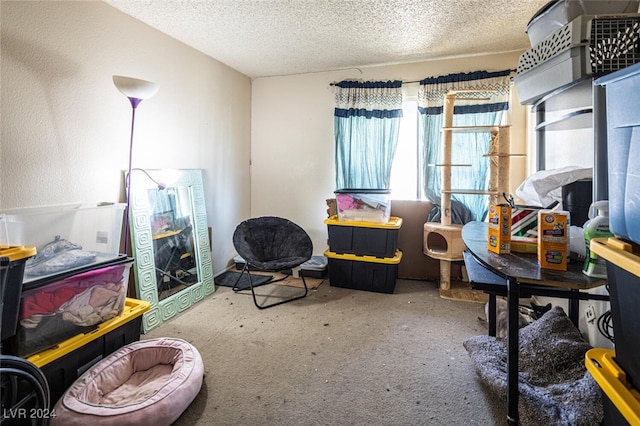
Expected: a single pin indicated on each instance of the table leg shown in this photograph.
(574, 309)
(491, 316)
(513, 346)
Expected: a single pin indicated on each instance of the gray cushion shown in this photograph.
(555, 386)
(272, 243)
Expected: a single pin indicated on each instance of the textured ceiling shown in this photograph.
(280, 37)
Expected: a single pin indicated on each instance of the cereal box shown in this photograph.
(553, 239)
(499, 238)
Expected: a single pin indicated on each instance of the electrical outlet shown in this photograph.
(590, 314)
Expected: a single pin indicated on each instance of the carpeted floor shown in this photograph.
(337, 357)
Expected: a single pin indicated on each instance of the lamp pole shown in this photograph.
(136, 91)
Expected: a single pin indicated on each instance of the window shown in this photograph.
(405, 176)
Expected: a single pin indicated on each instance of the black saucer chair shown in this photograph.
(271, 244)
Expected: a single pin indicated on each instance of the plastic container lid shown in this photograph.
(370, 259)
(393, 223)
(15, 253)
(618, 252)
(612, 380)
(362, 191)
(133, 308)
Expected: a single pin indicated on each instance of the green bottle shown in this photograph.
(596, 227)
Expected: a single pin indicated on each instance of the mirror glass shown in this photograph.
(170, 241)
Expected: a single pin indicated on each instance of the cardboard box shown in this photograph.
(415, 264)
(524, 245)
(553, 239)
(524, 221)
(499, 238)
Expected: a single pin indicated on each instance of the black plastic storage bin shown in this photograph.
(363, 238)
(11, 275)
(624, 291)
(363, 272)
(316, 267)
(65, 363)
(623, 276)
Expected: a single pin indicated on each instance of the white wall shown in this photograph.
(65, 127)
(292, 150)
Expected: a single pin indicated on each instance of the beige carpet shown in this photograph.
(336, 357)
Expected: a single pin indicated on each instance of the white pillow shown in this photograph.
(545, 186)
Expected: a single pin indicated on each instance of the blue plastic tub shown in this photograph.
(623, 150)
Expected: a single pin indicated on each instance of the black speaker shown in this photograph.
(576, 199)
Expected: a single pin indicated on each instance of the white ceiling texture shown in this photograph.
(262, 38)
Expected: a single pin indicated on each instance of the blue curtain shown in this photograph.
(366, 125)
(467, 148)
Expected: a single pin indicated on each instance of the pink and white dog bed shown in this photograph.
(150, 382)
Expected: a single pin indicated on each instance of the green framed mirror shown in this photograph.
(169, 241)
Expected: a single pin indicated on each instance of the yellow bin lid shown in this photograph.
(612, 380)
(371, 259)
(17, 252)
(393, 223)
(133, 308)
(619, 252)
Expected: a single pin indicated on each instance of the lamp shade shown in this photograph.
(135, 88)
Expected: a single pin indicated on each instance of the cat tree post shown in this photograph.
(444, 240)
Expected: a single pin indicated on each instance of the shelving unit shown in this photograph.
(578, 106)
(443, 240)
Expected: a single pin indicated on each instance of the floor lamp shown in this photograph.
(136, 91)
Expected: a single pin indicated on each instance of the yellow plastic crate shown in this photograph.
(623, 278)
(621, 398)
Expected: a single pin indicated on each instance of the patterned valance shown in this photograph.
(492, 87)
(370, 99)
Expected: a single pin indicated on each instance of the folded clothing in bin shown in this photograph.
(58, 308)
(57, 256)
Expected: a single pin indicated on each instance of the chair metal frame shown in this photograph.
(249, 265)
(272, 281)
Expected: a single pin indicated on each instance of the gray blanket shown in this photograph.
(555, 387)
